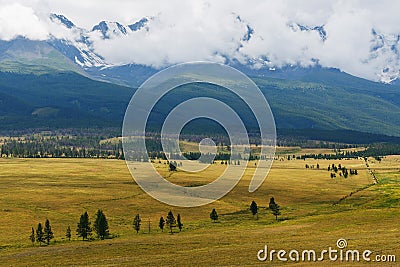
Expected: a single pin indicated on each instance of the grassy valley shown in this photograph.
(61, 189)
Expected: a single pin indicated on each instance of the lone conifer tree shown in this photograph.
(101, 225)
(48, 233)
(32, 237)
(68, 233)
(254, 208)
(179, 223)
(214, 215)
(161, 224)
(39, 234)
(170, 221)
(84, 230)
(136, 223)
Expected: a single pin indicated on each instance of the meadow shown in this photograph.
(33, 190)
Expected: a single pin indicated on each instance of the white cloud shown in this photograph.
(192, 33)
(19, 20)
(208, 30)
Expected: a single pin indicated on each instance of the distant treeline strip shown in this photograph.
(375, 150)
(89, 147)
(305, 137)
(57, 147)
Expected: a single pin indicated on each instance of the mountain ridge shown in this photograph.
(78, 46)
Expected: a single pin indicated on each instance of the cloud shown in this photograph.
(19, 20)
(191, 33)
(182, 31)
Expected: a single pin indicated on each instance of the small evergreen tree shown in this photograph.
(271, 202)
(40, 234)
(84, 230)
(68, 233)
(32, 237)
(254, 208)
(170, 221)
(161, 224)
(214, 215)
(172, 167)
(136, 223)
(276, 210)
(179, 223)
(48, 233)
(101, 225)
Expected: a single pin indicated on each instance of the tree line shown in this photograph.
(97, 146)
(376, 151)
(61, 147)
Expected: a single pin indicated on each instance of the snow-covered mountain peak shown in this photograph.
(111, 29)
(62, 20)
(139, 24)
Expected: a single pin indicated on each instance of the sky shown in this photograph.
(182, 31)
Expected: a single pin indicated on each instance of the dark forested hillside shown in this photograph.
(324, 101)
(59, 100)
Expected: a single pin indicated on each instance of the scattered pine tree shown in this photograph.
(271, 202)
(179, 223)
(170, 221)
(68, 233)
(214, 215)
(32, 237)
(161, 224)
(136, 223)
(48, 233)
(39, 234)
(274, 207)
(172, 167)
(254, 208)
(276, 211)
(101, 225)
(83, 229)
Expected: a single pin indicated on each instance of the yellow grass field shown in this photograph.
(61, 190)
